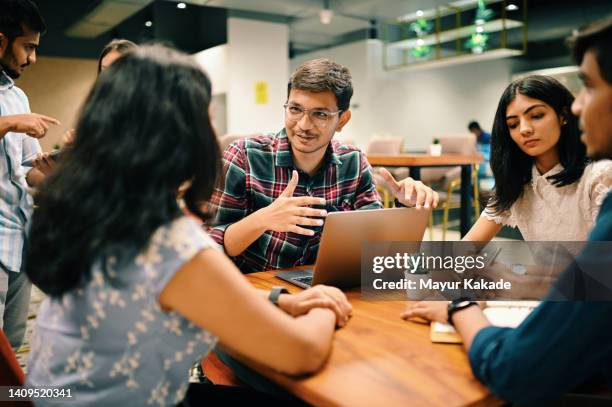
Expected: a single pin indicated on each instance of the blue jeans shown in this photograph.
(15, 289)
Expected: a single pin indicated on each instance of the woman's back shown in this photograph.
(110, 341)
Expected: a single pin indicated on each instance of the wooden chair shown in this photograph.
(450, 177)
(10, 370)
(450, 199)
(218, 373)
(11, 373)
(386, 146)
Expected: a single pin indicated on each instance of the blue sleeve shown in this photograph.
(558, 347)
(563, 342)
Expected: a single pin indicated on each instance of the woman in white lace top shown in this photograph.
(544, 184)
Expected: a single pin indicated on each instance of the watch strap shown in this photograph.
(458, 305)
(275, 293)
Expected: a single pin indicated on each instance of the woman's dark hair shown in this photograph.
(120, 45)
(511, 166)
(146, 131)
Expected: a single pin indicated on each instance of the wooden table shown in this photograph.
(379, 359)
(416, 161)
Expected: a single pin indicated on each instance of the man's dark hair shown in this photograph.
(319, 75)
(120, 45)
(597, 37)
(474, 125)
(15, 15)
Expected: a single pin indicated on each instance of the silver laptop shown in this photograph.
(339, 258)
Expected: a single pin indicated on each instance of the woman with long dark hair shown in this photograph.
(138, 291)
(544, 184)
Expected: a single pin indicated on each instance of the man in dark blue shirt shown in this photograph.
(563, 343)
(483, 144)
(482, 137)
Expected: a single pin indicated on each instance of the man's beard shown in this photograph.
(8, 55)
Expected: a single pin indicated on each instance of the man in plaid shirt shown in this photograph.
(278, 188)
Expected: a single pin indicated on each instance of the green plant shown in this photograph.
(477, 42)
(421, 51)
(421, 27)
(436, 141)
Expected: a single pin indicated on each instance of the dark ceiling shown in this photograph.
(190, 30)
(199, 27)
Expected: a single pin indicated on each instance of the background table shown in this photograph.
(379, 359)
(416, 161)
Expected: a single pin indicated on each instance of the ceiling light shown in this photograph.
(148, 23)
(420, 41)
(479, 29)
(326, 15)
(419, 13)
(181, 5)
(511, 7)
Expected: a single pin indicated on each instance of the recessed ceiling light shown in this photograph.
(181, 5)
(420, 42)
(479, 29)
(326, 15)
(419, 13)
(511, 7)
(148, 23)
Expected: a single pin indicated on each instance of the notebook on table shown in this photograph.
(508, 314)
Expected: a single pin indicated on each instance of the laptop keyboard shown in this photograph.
(304, 280)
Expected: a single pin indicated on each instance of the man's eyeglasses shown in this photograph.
(318, 117)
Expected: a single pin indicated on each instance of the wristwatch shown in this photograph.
(275, 293)
(457, 305)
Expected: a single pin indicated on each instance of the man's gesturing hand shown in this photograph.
(287, 212)
(33, 124)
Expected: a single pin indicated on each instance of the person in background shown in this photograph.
(110, 53)
(483, 144)
(20, 28)
(544, 183)
(279, 188)
(136, 289)
(482, 137)
(562, 344)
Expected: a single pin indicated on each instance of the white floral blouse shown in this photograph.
(547, 213)
(111, 342)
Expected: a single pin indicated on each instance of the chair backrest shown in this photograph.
(385, 145)
(461, 144)
(10, 370)
(227, 139)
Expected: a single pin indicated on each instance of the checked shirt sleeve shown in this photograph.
(229, 201)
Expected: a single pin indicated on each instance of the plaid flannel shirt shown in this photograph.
(258, 169)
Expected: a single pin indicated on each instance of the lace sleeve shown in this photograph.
(599, 184)
(504, 218)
